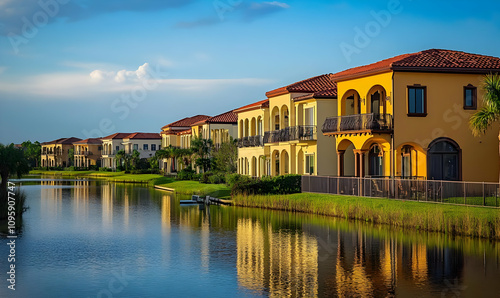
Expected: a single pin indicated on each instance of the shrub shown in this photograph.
(196, 177)
(205, 177)
(217, 178)
(232, 179)
(185, 174)
(72, 168)
(104, 169)
(286, 184)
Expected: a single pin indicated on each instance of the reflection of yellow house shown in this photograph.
(286, 126)
(88, 152)
(56, 153)
(407, 116)
(177, 135)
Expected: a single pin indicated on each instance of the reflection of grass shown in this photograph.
(109, 176)
(194, 187)
(455, 220)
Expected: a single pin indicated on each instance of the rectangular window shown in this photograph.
(470, 97)
(153, 147)
(136, 147)
(417, 101)
(145, 147)
(310, 164)
(117, 148)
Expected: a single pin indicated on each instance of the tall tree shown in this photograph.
(12, 162)
(33, 152)
(119, 157)
(226, 157)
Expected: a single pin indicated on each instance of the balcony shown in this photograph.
(108, 152)
(381, 123)
(84, 153)
(253, 141)
(292, 133)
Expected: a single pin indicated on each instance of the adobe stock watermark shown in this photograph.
(116, 284)
(455, 116)
(363, 36)
(48, 10)
(222, 7)
(127, 102)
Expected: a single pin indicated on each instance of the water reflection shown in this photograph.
(240, 251)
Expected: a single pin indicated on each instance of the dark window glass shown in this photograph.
(470, 98)
(416, 100)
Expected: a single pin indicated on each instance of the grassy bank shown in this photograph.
(449, 219)
(152, 179)
(220, 191)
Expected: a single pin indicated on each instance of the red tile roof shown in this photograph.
(91, 141)
(330, 93)
(143, 135)
(184, 132)
(433, 60)
(186, 122)
(227, 117)
(256, 105)
(118, 135)
(314, 84)
(64, 141)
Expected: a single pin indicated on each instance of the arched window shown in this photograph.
(443, 160)
(375, 103)
(375, 166)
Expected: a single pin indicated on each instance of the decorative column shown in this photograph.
(340, 163)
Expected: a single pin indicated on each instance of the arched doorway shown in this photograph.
(375, 161)
(443, 160)
(284, 163)
(254, 166)
(300, 162)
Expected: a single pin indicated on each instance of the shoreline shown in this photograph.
(449, 219)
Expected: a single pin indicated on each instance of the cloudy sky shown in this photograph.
(85, 69)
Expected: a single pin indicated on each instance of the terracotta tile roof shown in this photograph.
(330, 93)
(64, 141)
(227, 117)
(314, 84)
(118, 135)
(143, 135)
(433, 60)
(91, 141)
(185, 132)
(186, 122)
(256, 105)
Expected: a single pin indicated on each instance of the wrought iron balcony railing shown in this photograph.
(253, 141)
(292, 133)
(108, 152)
(360, 122)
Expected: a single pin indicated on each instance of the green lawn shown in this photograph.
(220, 191)
(457, 220)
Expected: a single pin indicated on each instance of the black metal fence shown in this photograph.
(292, 133)
(452, 192)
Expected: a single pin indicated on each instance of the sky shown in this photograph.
(89, 68)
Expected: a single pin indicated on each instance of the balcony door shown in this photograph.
(375, 103)
(375, 156)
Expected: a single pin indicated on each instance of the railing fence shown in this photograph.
(452, 192)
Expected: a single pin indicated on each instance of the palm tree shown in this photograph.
(135, 157)
(119, 156)
(490, 112)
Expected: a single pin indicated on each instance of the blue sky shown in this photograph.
(86, 69)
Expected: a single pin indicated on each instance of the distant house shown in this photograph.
(110, 145)
(56, 153)
(88, 152)
(144, 142)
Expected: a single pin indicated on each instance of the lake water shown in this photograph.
(101, 239)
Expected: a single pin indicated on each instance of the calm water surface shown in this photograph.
(100, 239)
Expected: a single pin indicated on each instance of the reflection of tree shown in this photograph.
(283, 263)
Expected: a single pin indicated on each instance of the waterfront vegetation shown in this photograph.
(449, 219)
(152, 179)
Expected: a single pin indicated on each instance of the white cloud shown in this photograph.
(80, 84)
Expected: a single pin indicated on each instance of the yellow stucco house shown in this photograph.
(88, 152)
(279, 135)
(219, 129)
(56, 153)
(177, 135)
(407, 117)
(110, 145)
